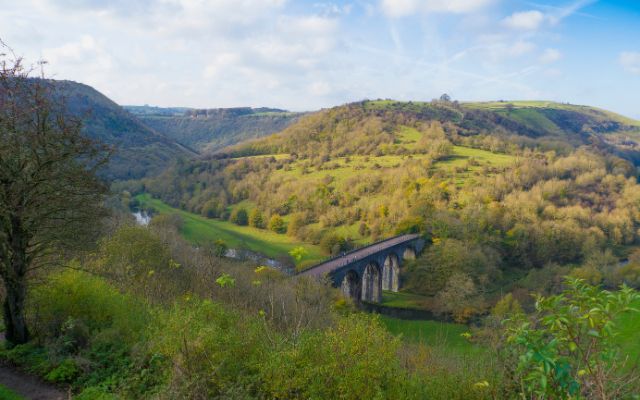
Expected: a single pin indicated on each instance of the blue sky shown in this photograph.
(303, 55)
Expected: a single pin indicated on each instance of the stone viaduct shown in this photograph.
(363, 274)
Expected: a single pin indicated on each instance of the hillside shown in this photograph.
(140, 150)
(213, 129)
(510, 196)
(541, 125)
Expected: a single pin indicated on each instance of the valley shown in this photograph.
(508, 201)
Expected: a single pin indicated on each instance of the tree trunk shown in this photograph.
(15, 282)
(14, 319)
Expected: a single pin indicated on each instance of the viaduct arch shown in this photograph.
(363, 274)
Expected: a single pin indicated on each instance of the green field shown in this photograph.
(6, 394)
(198, 229)
(629, 337)
(432, 333)
(532, 104)
(403, 300)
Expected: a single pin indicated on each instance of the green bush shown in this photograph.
(357, 359)
(216, 356)
(95, 393)
(81, 299)
(65, 372)
(239, 216)
(277, 224)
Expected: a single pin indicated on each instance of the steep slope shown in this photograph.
(213, 129)
(140, 150)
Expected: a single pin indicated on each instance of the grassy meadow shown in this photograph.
(403, 300)
(457, 165)
(432, 333)
(629, 338)
(198, 229)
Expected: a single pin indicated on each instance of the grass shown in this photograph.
(402, 300)
(342, 168)
(500, 105)
(432, 333)
(198, 229)
(629, 327)
(6, 394)
(463, 155)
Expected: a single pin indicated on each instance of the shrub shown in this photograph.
(255, 219)
(71, 299)
(566, 348)
(277, 224)
(354, 360)
(65, 372)
(217, 354)
(333, 243)
(239, 216)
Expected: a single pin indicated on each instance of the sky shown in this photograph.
(306, 55)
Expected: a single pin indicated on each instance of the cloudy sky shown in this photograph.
(303, 55)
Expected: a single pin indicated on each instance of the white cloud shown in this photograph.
(524, 20)
(403, 8)
(320, 88)
(521, 47)
(630, 61)
(86, 56)
(550, 56)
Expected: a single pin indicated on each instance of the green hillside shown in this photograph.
(199, 230)
(140, 150)
(511, 197)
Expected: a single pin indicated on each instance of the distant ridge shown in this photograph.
(211, 129)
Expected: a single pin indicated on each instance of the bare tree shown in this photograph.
(50, 197)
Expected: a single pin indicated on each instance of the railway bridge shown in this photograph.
(362, 274)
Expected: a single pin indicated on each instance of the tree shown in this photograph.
(239, 216)
(298, 253)
(277, 224)
(50, 197)
(255, 219)
(220, 248)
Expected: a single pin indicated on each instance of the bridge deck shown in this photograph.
(356, 255)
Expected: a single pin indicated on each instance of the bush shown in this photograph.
(277, 224)
(354, 360)
(66, 372)
(81, 299)
(216, 356)
(239, 216)
(334, 244)
(255, 219)
(566, 348)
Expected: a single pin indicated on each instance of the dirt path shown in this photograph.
(29, 386)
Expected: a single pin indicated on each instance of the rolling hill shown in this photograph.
(354, 173)
(213, 129)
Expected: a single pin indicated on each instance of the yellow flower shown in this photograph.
(481, 385)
